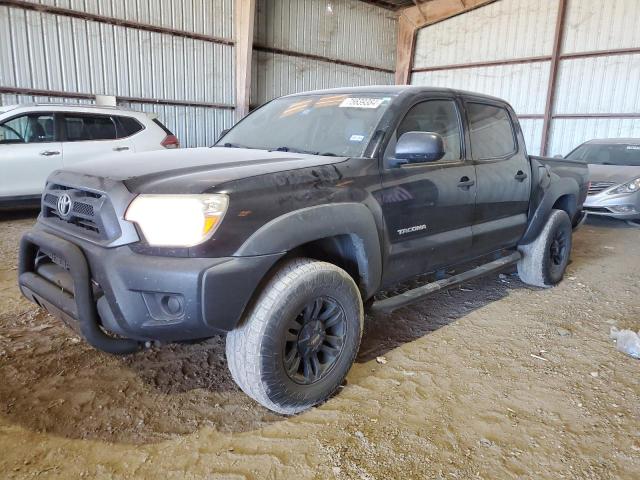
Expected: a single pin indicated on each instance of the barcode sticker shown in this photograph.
(361, 102)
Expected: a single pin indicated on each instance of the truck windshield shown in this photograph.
(618, 154)
(340, 125)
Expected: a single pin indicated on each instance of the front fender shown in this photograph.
(302, 226)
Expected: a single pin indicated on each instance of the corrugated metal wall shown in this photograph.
(510, 30)
(344, 30)
(505, 30)
(602, 84)
(56, 52)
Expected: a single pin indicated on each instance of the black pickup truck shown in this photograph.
(282, 233)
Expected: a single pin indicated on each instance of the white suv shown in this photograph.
(37, 139)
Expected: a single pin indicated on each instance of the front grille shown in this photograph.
(597, 209)
(83, 208)
(82, 215)
(597, 187)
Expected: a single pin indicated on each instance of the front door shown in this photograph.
(29, 152)
(428, 207)
(503, 176)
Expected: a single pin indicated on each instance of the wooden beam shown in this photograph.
(417, 4)
(405, 50)
(435, 11)
(553, 76)
(245, 16)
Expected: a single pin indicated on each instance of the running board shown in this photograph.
(388, 305)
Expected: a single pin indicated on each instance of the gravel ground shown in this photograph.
(491, 380)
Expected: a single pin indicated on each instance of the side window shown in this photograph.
(89, 127)
(127, 126)
(491, 131)
(32, 128)
(438, 116)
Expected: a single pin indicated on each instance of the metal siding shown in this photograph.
(275, 75)
(523, 85)
(532, 131)
(599, 85)
(54, 52)
(503, 30)
(348, 30)
(194, 126)
(207, 17)
(567, 134)
(601, 25)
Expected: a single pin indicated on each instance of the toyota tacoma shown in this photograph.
(282, 233)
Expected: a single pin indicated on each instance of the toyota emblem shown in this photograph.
(64, 205)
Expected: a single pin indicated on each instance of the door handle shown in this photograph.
(520, 176)
(48, 153)
(120, 149)
(466, 183)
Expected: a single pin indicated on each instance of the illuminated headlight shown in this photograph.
(177, 220)
(631, 187)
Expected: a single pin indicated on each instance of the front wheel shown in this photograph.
(300, 337)
(545, 259)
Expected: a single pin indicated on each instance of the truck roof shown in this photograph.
(394, 90)
(614, 141)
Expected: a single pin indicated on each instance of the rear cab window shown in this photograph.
(491, 131)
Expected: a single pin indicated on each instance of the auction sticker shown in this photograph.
(361, 102)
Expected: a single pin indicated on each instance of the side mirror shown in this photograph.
(558, 156)
(419, 147)
(223, 133)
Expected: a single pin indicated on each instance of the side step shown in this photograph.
(388, 305)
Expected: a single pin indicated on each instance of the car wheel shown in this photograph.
(299, 338)
(545, 260)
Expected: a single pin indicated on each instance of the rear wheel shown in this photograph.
(545, 260)
(300, 338)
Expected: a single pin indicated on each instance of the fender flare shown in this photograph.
(558, 188)
(284, 233)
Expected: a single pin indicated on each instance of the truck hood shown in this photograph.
(613, 173)
(193, 170)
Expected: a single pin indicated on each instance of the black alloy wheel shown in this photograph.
(315, 340)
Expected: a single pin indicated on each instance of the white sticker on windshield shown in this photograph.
(356, 138)
(633, 147)
(361, 102)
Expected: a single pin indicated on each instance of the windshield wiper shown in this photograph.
(233, 145)
(298, 150)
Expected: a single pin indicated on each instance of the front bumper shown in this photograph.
(622, 206)
(116, 298)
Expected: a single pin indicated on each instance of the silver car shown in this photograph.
(614, 174)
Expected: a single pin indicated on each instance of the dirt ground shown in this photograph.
(491, 380)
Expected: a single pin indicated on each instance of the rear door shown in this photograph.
(29, 152)
(428, 207)
(90, 136)
(503, 175)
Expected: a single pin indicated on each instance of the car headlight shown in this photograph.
(630, 187)
(177, 220)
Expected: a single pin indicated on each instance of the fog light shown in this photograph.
(165, 307)
(623, 209)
